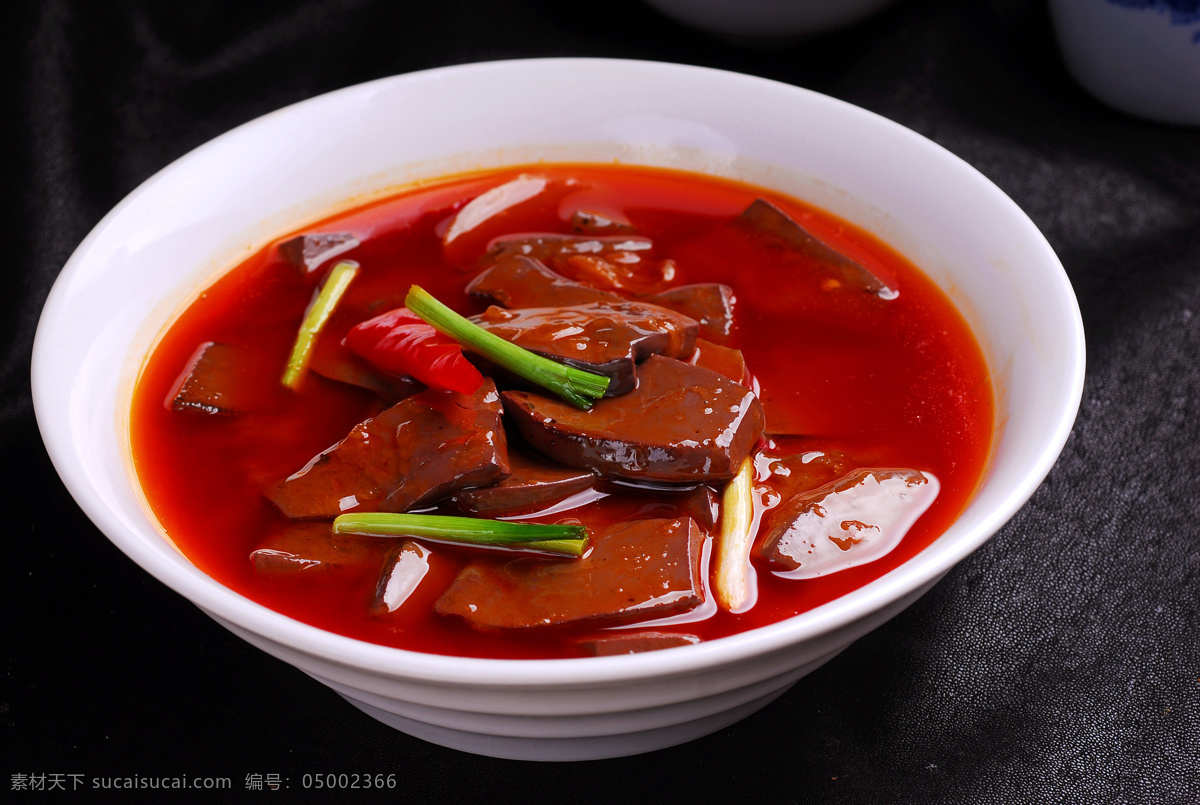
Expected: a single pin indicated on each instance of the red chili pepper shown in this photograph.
(400, 343)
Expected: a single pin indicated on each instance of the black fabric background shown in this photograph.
(1060, 663)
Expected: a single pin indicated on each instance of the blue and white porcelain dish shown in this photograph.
(1139, 56)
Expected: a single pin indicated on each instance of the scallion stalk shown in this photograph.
(733, 581)
(576, 386)
(318, 313)
(566, 540)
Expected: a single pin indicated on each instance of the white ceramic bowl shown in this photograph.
(195, 218)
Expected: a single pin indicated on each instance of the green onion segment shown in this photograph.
(318, 313)
(566, 540)
(732, 572)
(576, 386)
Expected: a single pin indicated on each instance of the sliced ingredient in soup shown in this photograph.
(727, 407)
(856, 519)
(606, 338)
(418, 451)
(637, 570)
(682, 424)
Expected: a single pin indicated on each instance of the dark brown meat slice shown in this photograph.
(634, 571)
(310, 252)
(623, 272)
(534, 484)
(607, 338)
(548, 247)
(418, 451)
(764, 217)
(856, 519)
(682, 424)
(636, 643)
(518, 282)
(709, 303)
(311, 548)
(211, 382)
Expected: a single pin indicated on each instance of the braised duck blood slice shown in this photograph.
(312, 548)
(309, 252)
(420, 450)
(709, 303)
(764, 217)
(621, 272)
(548, 246)
(517, 282)
(535, 483)
(606, 338)
(682, 424)
(856, 519)
(635, 570)
(211, 381)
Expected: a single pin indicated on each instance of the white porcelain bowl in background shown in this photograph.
(199, 215)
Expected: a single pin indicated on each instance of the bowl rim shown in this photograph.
(224, 603)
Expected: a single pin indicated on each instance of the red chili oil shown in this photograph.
(902, 384)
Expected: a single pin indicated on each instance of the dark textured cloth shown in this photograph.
(1059, 663)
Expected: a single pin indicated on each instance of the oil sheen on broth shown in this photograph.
(806, 347)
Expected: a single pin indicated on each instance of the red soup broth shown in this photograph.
(901, 384)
